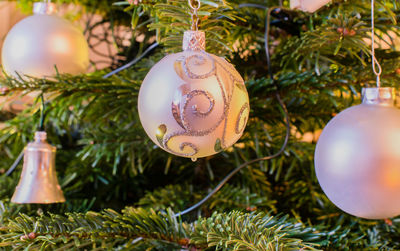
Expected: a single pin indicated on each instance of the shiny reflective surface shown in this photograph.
(357, 158)
(193, 104)
(38, 182)
(40, 43)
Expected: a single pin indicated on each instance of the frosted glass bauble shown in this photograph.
(41, 42)
(193, 104)
(308, 5)
(357, 157)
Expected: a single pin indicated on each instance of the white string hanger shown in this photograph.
(195, 6)
(376, 67)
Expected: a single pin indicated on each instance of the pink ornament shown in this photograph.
(308, 5)
(357, 158)
(193, 104)
(40, 43)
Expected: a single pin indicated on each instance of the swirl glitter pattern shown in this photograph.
(185, 95)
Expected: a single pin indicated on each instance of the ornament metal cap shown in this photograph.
(379, 96)
(194, 41)
(44, 8)
(38, 183)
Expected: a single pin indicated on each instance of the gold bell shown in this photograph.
(38, 183)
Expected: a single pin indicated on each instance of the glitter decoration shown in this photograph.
(193, 104)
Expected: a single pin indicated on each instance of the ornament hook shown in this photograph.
(376, 67)
(195, 6)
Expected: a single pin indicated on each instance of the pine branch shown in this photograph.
(234, 230)
(217, 19)
(57, 231)
(254, 231)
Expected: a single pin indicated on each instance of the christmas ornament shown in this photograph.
(193, 104)
(358, 154)
(40, 43)
(308, 5)
(38, 182)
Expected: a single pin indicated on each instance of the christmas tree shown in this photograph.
(125, 193)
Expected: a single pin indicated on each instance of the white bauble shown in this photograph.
(43, 41)
(357, 158)
(193, 104)
(308, 5)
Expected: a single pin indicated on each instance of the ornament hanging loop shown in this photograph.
(195, 6)
(376, 67)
